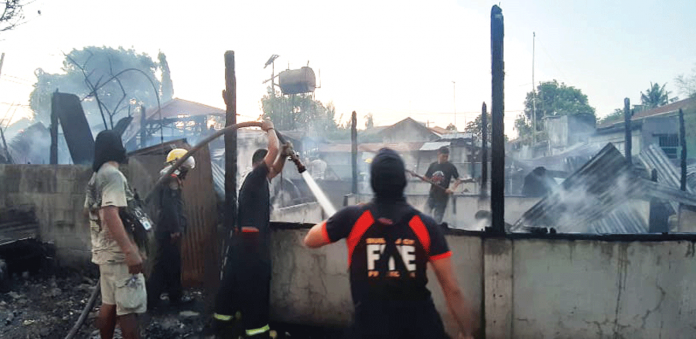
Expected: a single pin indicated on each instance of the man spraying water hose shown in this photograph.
(242, 303)
(390, 244)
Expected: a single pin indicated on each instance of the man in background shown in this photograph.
(171, 224)
(390, 244)
(440, 173)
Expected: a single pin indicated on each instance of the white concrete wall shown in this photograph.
(309, 213)
(593, 289)
(527, 288)
(312, 286)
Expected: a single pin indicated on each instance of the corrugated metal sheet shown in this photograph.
(653, 157)
(199, 252)
(588, 195)
(596, 198)
(625, 219)
(691, 176)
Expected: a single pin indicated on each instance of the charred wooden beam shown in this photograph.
(497, 112)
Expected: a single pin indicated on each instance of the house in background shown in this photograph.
(179, 119)
(407, 130)
(659, 126)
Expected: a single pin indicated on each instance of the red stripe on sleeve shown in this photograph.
(361, 226)
(441, 256)
(421, 232)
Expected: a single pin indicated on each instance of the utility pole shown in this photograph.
(497, 117)
(454, 95)
(230, 96)
(534, 127)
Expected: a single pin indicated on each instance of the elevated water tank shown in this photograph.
(296, 81)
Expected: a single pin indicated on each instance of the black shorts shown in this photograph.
(416, 320)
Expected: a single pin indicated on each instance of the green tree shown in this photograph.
(167, 92)
(552, 99)
(451, 127)
(617, 115)
(687, 83)
(476, 127)
(369, 121)
(94, 68)
(655, 96)
(299, 112)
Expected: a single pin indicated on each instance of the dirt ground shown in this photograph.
(47, 305)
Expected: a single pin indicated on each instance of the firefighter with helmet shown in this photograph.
(171, 224)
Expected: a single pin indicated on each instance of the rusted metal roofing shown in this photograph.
(200, 246)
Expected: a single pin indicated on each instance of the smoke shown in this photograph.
(31, 146)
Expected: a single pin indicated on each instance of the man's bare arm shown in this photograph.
(270, 158)
(279, 163)
(456, 303)
(317, 236)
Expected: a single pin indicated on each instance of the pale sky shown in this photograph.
(393, 59)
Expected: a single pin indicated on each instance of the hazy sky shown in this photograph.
(390, 58)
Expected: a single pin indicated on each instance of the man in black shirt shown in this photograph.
(390, 244)
(441, 173)
(246, 273)
(171, 224)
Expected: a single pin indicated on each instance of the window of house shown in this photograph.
(669, 144)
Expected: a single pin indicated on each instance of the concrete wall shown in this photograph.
(309, 213)
(58, 194)
(312, 287)
(526, 288)
(462, 216)
(619, 140)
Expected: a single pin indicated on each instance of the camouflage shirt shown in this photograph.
(107, 187)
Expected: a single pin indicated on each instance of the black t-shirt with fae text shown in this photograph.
(368, 229)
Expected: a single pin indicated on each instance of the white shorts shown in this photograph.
(126, 291)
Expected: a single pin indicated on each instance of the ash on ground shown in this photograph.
(47, 306)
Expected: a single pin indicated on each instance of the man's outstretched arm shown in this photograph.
(456, 303)
(279, 162)
(272, 155)
(317, 236)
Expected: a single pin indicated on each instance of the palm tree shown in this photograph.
(655, 96)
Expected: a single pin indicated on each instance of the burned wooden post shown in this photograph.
(682, 143)
(230, 96)
(54, 130)
(627, 126)
(143, 127)
(497, 115)
(484, 149)
(354, 150)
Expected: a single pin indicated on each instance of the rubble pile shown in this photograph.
(47, 305)
(43, 306)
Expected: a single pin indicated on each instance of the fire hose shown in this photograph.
(93, 298)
